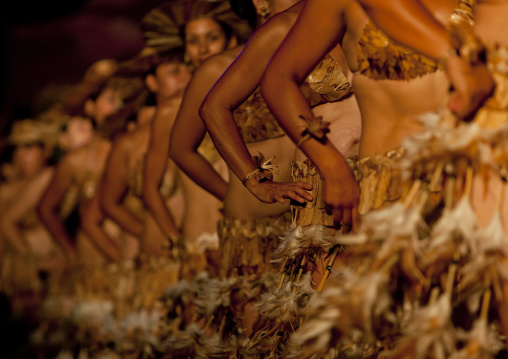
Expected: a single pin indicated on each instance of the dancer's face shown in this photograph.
(78, 133)
(203, 38)
(29, 159)
(172, 77)
(107, 103)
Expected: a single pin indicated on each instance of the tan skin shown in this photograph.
(71, 171)
(168, 83)
(412, 24)
(189, 131)
(388, 108)
(21, 208)
(236, 84)
(198, 204)
(473, 85)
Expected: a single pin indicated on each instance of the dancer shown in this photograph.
(432, 230)
(166, 76)
(77, 173)
(201, 209)
(30, 246)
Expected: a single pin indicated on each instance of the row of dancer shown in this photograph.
(316, 91)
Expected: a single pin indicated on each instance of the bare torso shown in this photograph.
(390, 108)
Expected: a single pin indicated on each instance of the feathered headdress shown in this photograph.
(162, 26)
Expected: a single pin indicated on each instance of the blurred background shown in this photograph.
(46, 46)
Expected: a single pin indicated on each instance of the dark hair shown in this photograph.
(245, 10)
(176, 54)
(228, 30)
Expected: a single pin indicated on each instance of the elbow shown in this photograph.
(148, 196)
(86, 224)
(204, 110)
(173, 152)
(107, 207)
(44, 211)
(89, 220)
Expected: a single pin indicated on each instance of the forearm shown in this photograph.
(200, 171)
(226, 137)
(14, 237)
(125, 219)
(56, 228)
(409, 22)
(97, 235)
(157, 207)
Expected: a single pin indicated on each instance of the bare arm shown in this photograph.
(114, 188)
(20, 207)
(49, 206)
(236, 84)
(155, 166)
(317, 31)
(91, 223)
(189, 130)
(409, 22)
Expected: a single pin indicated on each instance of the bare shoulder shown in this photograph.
(215, 65)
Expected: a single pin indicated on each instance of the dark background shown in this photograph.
(47, 45)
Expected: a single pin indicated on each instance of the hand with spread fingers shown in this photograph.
(268, 191)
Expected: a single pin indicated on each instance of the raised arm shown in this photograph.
(49, 206)
(409, 22)
(155, 166)
(236, 84)
(188, 131)
(317, 31)
(114, 188)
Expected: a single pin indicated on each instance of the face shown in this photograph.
(107, 103)
(79, 132)
(203, 38)
(29, 159)
(172, 77)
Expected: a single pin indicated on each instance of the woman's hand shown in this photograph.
(276, 192)
(341, 194)
(472, 85)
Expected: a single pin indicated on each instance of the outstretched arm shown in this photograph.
(114, 188)
(236, 84)
(155, 166)
(317, 31)
(409, 22)
(188, 131)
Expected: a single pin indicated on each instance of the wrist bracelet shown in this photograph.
(264, 168)
(315, 128)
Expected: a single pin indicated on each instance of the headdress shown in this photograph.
(91, 84)
(147, 60)
(161, 27)
(28, 132)
(133, 94)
